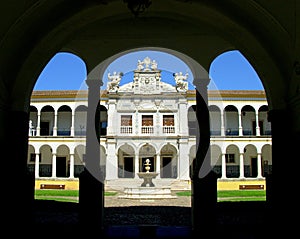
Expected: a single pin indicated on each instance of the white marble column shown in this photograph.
(37, 165)
(183, 159)
(240, 124)
(112, 160)
(259, 166)
(71, 166)
(223, 166)
(55, 123)
(112, 126)
(72, 123)
(157, 163)
(136, 165)
(38, 126)
(242, 173)
(257, 124)
(53, 165)
(183, 117)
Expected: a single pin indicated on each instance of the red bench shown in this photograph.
(52, 186)
(251, 186)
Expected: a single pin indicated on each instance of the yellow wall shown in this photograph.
(234, 184)
(69, 184)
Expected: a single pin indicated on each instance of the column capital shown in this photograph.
(94, 82)
(201, 82)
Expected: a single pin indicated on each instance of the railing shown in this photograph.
(147, 130)
(126, 130)
(168, 129)
(232, 132)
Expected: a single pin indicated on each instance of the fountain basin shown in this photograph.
(147, 176)
(147, 193)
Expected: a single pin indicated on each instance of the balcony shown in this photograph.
(168, 129)
(126, 130)
(147, 130)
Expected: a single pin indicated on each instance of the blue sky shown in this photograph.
(229, 71)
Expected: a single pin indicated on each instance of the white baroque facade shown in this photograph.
(148, 118)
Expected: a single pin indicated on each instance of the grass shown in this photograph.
(72, 195)
(235, 195)
(62, 195)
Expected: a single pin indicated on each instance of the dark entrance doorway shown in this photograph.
(253, 167)
(61, 167)
(128, 167)
(166, 171)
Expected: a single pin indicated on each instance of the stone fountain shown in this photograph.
(147, 176)
(147, 190)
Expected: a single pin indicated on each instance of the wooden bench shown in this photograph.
(52, 186)
(251, 186)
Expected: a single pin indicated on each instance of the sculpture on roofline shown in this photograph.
(181, 81)
(146, 63)
(114, 81)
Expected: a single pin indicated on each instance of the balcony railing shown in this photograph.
(168, 129)
(126, 130)
(147, 129)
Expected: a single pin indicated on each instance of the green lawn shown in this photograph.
(235, 195)
(61, 195)
(72, 195)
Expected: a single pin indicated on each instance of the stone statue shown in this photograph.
(154, 65)
(140, 65)
(114, 81)
(181, 81)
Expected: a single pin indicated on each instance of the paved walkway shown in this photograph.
(115, 201)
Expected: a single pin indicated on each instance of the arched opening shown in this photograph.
(203, 30)
(126, 162)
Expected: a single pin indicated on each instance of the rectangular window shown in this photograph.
(126, 120)
(168, 120)
(147, 120)
(230, 158)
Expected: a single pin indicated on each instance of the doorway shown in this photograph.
(253, 172)
(128, 167)
(61, 167)
(166, 171)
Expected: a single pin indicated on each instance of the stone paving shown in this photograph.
(114, 201)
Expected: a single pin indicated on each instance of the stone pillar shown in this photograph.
(183, 159)
(284, 177)
(203, 178)
(111, 119)
(136, 165)
(242, 174)
(72, 123)
(240, 124)
(158, 165)
(37, 165)
(38, 127)
(17, 205)
(224, 166)
(91, 189)
(71, 165)
(55, 123)
(257, 124)
(183, 117)
(53, 165)
(259, 166)
(112, 160)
